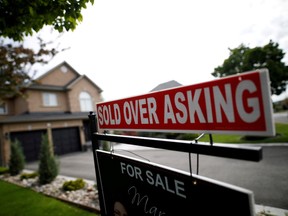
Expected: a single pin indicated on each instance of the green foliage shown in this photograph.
(19, 18)
(171, 135)
(28, 175)
(186, 136)
(280, 106)
(16, 200)
(152, 134)
(48, 167)
(244, 59)
(15, 61)
(73, 185)
(106, 145)
(17, 159)
(4, 170)
(281, 131)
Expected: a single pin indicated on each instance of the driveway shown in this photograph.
(281, 117)
(268, 179)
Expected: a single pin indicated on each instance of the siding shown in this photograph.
(82, 85)
(58, 78)
(35, 102)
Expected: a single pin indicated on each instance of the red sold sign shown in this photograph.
(239, 104)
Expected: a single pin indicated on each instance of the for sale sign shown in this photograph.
(134, 187)
(239, 104)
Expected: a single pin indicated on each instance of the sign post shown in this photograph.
(237, 104)
(141, 188)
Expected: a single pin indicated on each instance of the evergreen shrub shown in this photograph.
(48, 167)
(4, 170)
(17, 159)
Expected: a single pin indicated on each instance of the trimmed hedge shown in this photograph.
(28, 175)
(4, 170)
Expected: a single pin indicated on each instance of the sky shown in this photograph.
(128, 47)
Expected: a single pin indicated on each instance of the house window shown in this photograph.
(85, 102)
(50, 99)
(64, 69)
(3, 109)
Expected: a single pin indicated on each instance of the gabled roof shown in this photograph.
(64, 63)
(71, 84)
(166, 85)
(79, 77)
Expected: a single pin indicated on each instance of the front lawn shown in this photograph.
(16, 200)
(281, 137)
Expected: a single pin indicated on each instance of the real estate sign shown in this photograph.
(134, 187)
(239, 104)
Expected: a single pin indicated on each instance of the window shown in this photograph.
(50, 99)
(85, 102)
(64, 69)
(3, 109)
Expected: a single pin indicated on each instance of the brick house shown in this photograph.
(57, 104)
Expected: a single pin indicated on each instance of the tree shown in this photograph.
(243, 59)
(48, 167)
(17, 159)
(20, 18)
(15, 64)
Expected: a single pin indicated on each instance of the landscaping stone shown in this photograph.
(86, 197)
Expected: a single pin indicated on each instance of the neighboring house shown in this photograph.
(166, 85)
(58, 104)
(160, 87)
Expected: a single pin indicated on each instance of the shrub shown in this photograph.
(48, 167)
(187, 136)
(17, 159)
(106, 146)
(253, 138)
(73, 185)
(28, 175)
(4, 170)
(172, 135)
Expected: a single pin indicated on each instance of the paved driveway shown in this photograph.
(281, 117)
(268, 179)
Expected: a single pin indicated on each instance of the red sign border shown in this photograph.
(267, 108)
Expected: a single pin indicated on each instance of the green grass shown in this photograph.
(281, 137)
(16, 200)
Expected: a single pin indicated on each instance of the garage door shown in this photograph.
(66, 140)
(30, 141)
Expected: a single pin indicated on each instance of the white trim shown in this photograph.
(49, 99)
(266, 95)
(85, 101)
